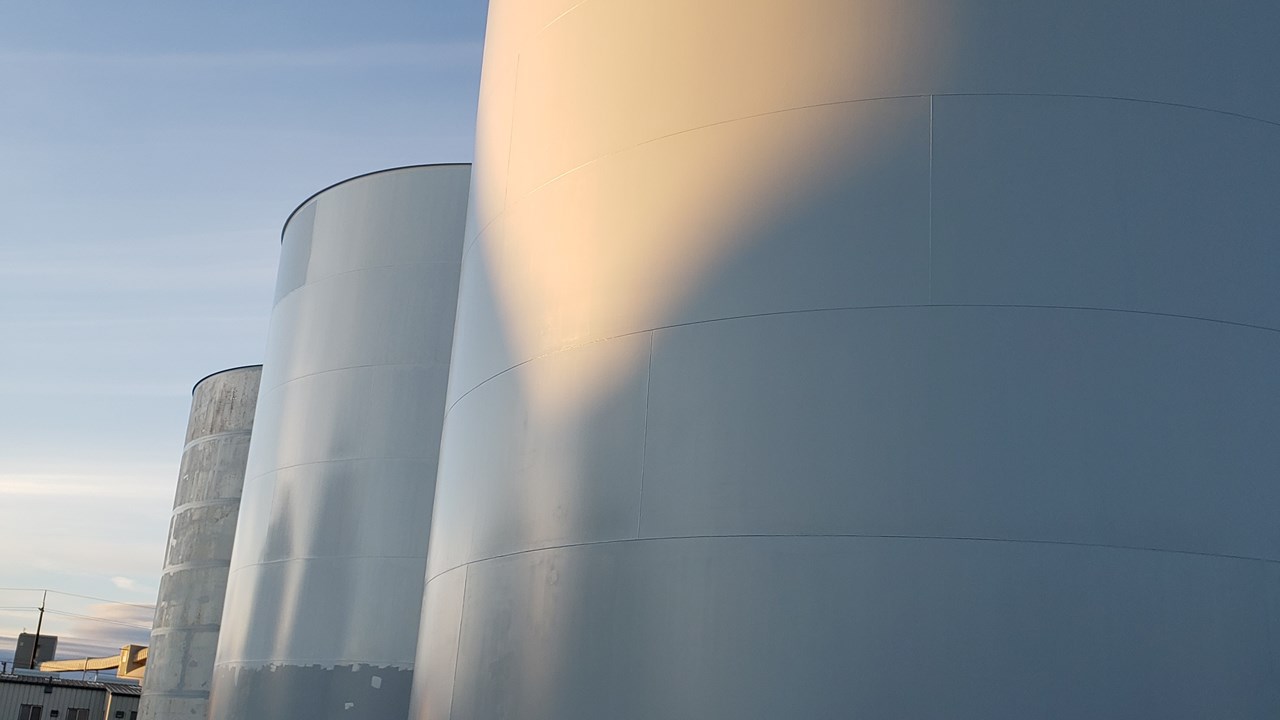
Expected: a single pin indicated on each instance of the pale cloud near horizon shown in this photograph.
(113, 624)
(85, 528)
(92, 630)
(99, 486)
(84, 627)
(125, 583)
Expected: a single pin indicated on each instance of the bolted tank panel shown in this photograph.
(884, 358)
(326, 578)
(194, 581)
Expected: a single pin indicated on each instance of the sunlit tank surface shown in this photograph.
(326, 579)
(865, 359)
(184, 637)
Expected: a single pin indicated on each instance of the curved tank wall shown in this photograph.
(884, 358)
(193, 584)
(326, 579)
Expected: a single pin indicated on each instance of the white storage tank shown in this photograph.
(865, 358)
(326, 579)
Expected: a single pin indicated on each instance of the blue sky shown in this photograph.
(149, 153)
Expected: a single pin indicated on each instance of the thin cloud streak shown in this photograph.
(96, 486)
(444, 54)
(103, 389)
(125, 583)
(83, 628)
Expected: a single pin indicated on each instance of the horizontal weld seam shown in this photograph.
(215, 436)
(860, 536)
(273, 388)
(169, 629)
(282, 561)
(316, 281)
(379, 458)
(1078, 308)
(197, 504)
(197, 565)
(837, 103)
(329, 664)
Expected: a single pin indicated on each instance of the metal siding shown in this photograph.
(331, 546)
(132, 703)
(14, 695)
(885, 358)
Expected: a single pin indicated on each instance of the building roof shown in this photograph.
(113, 688)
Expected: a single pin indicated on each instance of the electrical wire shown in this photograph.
(77, 595)
(97, 619)
(113, 602)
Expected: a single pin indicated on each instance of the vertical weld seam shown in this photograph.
(511, 134)
(457, 651)
(930, 268)
(644, 443)
(1273, 602)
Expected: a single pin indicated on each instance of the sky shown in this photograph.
(149, 153)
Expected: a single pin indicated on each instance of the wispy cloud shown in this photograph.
(112, 625)
(83, 629)
(162, 262)
(97, 486)
(444, 54)
(85, 525)
(124, 583)
(94, 389)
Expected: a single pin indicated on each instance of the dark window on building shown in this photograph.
(30, 712)
(77, 713)
(133, 715)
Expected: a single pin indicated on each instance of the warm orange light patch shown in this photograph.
(644, 138)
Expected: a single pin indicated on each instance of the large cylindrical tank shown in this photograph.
(193, 584)
(326, 580)
(865, 358)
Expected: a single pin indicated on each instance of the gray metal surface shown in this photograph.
(184, 636)
(127, 705)
(330, 554)
(885, 358)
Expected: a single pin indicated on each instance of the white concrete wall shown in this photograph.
(184, 637)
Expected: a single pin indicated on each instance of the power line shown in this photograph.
(113, 602)
(98, 619)
(77, 595)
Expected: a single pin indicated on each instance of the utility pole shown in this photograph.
(35, 646)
